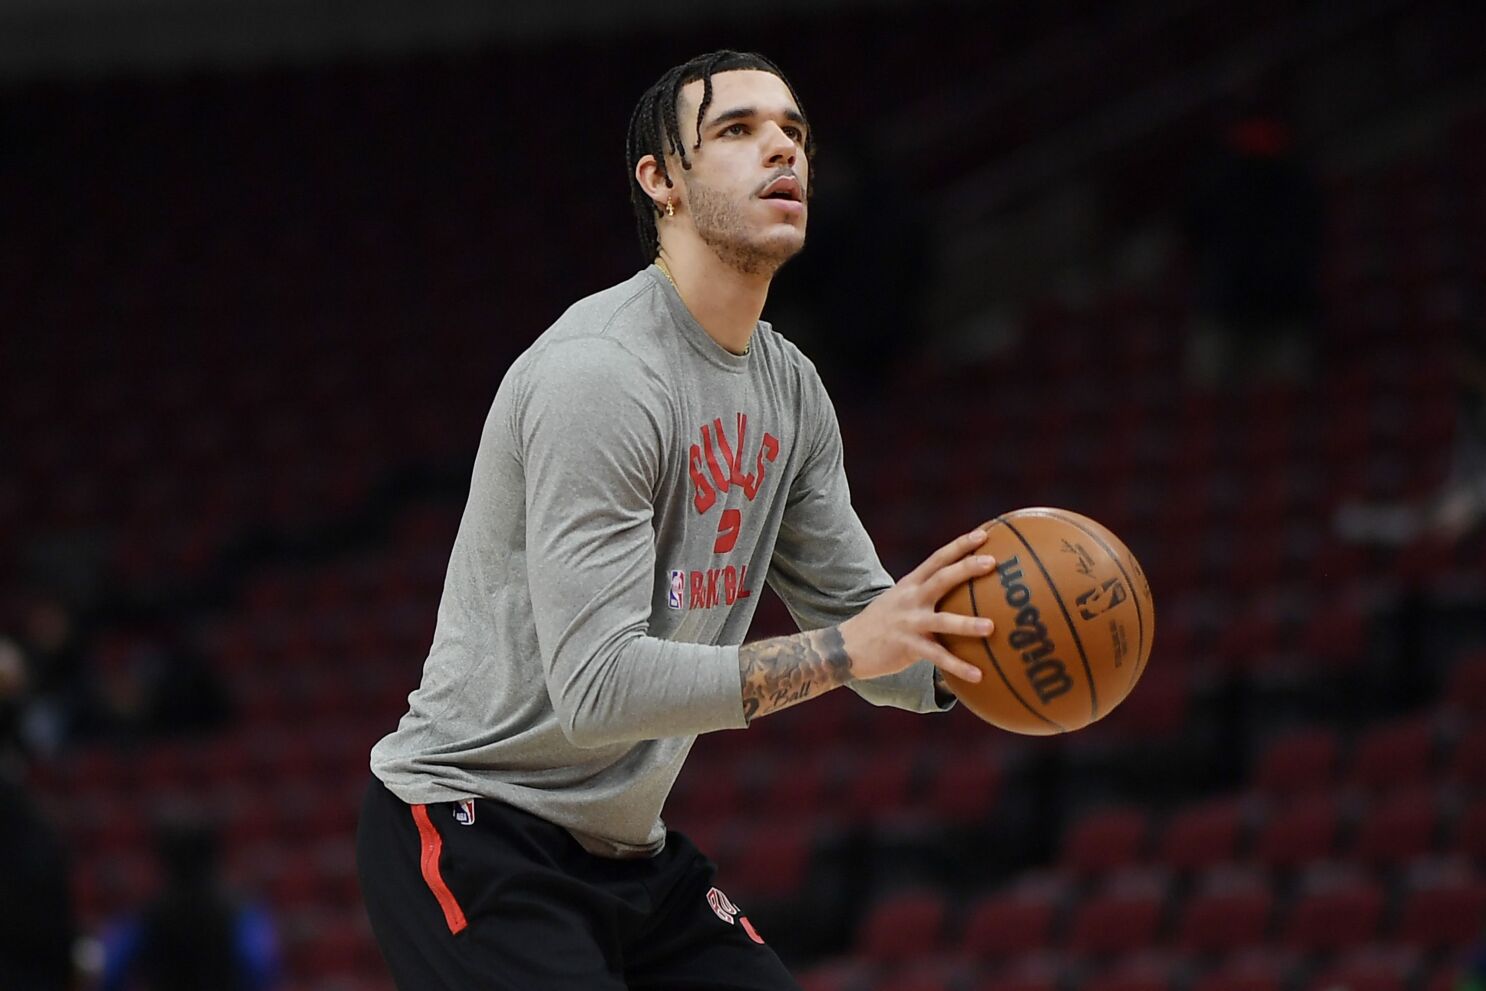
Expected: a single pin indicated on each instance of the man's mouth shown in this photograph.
(783, 187)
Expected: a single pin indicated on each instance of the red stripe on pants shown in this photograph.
(433, 846)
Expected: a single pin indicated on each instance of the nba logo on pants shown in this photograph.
(678, 589)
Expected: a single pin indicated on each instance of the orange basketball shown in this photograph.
(1074, 623)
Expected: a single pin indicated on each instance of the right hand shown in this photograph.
(897, 628)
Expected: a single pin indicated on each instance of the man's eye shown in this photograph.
(794, 134)
(735, 129)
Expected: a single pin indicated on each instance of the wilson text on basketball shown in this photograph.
(1046, 673)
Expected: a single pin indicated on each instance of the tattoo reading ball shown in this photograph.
(785, 697)
(780, 672)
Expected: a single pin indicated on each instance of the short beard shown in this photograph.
(719, 223)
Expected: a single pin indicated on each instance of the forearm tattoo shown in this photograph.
(778, 673)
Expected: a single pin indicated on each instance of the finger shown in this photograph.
(956, 625)
(948, 554)
(939, 584)
(950, 664)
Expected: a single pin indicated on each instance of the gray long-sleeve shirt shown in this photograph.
(634, 486)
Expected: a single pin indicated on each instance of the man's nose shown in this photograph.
(779, 145)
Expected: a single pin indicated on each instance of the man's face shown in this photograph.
(746, 187)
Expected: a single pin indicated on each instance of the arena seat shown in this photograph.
(1299, 761)
(1204, 835)
(1334, 908)
(1399, 828)
(902, 927)
(1123, 915)
(1106, 839)
(1395, 755)
(1014, 921)
(1306, 829)
(1443, 902)
(1229, 909)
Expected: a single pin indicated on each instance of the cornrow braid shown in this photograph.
(654, 128)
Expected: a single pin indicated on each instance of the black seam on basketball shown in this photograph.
(1053, 588)
(1142, 658)
(985, 642)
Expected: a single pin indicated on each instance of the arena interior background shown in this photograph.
(1210, 273)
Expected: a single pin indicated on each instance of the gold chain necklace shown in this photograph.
(665, 270)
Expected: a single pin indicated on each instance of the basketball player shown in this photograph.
(654, 457)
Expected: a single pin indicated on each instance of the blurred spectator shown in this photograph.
(195, 934)
(122, 686)
(186, 695)
(37, 926)
(1459, 506)
(63, 703)
(1254, 225)
(1462, 502)
(159, 686)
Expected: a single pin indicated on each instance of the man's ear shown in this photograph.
(653, 179)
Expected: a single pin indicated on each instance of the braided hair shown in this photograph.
(654, 128)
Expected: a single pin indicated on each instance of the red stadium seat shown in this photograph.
(1159, 710)
(1263, 969)
(1300, 761)
(1333, 910)
(1396, 755)
(1370, 968)
(1470, 831)
(963, 787)
(840, 975)
(1122, 982)
(1304, 830)
(797, 787)
(1398, 828)
(878, 783)
(1229, 909)
(711, 790)
(1199, 836)
(1443, 905)
(1014, 921)
(824, 723)
(1145, 970)
(1032, 972)
(1106, 839)
(1124, 916)
(771, 861)
(928, 975)
(903, 927)
(1018, 982)
(1468, 766)
(1221, 980)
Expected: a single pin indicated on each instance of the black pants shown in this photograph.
(510, 902)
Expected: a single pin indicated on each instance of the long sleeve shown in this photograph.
(825, 568)
(592, 431)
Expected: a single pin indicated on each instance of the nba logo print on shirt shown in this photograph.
(677, 596)
(464, 812)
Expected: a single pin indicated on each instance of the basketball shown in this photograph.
(1074, 623)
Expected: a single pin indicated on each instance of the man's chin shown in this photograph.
(783, 246)
(762, 255)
